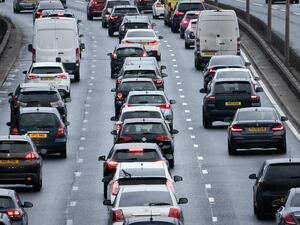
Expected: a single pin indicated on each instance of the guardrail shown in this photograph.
(5, 31)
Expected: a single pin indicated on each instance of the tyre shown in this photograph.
(37, 186)
(16, 10)
(63, 152)
(259, 213)
(187, 46)
(173, 29)
(166, 23)
(206, 121)
(231, 149)
(77, 76)
(181, 35)
(105, 190)
(104, 25)
(197, 64)
(158, 58)
(112, 75)
(282, 148)
(89, 16)
(110, 32)
(171, 162)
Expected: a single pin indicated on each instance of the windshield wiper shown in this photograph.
(158, 203)
(239, 91)
(126, 173)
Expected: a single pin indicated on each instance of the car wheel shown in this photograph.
(173, 29)
(187, 46)
(104, 25)
(282, 148)
(206, 121)
(231, 149)
(77, 76)
(171, 162)
(259, 213)
(158, 58)
(105, 190)
(16, 10)
(37, 186)
(197, 64)
(181, 35)
(110, 32)
(63, 152)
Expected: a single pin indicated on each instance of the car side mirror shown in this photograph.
(178, 178)
(114, 132)
(252, 176)
(109, 54)
(107, 202)
(172, 101)
(101, 158)
(81, 35)
(8, 124)
(259, 89)
(203, 91)
(284, 118)
(113, 90)
(24, 72)
(164, 74)
(10, 94)
(113, 118)
(174, 131)
(162, 67)
(256, 78)
(106, 179)
(183, 201)
(276, 203)
(79, 21)
(27, 205)
(160, 37)
(30, 47)
(247, 64)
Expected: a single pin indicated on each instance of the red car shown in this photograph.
(94, 8)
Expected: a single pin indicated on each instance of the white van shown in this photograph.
(56, 39)
(217, 33)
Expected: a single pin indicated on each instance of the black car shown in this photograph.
(148, 130)
(20, 162)
(181, 8)
(122, 51)
(289, 208)
(12, 205)
(189, 15)
(144, 4)
(134, 22)
(156, 220)
(225, 97)
(117, 15)
(46, 5)
(257, 127)
(272, 182)
(222, 62)
(130, 84)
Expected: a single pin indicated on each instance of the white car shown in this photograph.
(148, 38)
(143, 61)
(50, 72)
(144, 200)
(138, 173)
(158, 9)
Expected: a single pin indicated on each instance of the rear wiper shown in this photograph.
(147, 133)
(158, 203)
(4, 151)
(239, 91)
(131, 159)
(143, 102)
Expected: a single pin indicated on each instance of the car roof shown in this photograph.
(135, 145)
(141, 108)
(14, 138)
(144, 120)
(282, 160)
(49, 64)
(260, 109)
(136, 19)
(139, 67)
(146, 93)
(133, 45)
(137, 79)
(124, 6)
(233, 70)
(7, 192)
(142, 187)
(189, 1)
(232, 79)
(142, 169)
(38, 110)
(145, 30)
(140, 59)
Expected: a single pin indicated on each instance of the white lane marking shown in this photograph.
(69, 222)
(85, 121)
(211, 200)
(215, 219)
(208, 186)
(174, 60)
(86, 112)
(73, 203)
(297, 14)
(3, 92)
(93, 71)
(168, 46)
(172, 55)
(77, 174)
(179, 83)
(187, 111)
(88, 97)
(75, 188)
(81, 148)
(196, 146)
(200, 158)
(87, 105)
(282, 10)
(83, 129)
(90, 91)
(180, 89)
(94, 60)
(93, 66)
(91, 84)
(94, 56)
(165, 41)
(188, 120)
(175, 65)
(80, 160)
(176, 71)
(184, 104)
(257, 4)
(191, 128)
(92, 78)
(82, 139)
(170, 50)
(177, 77)
(182, 96)
(193, 136)
(272, 100)
(204, 171)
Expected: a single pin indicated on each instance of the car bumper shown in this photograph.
(19, 178)
(265, 202)
(96, 12)
(159, 11)
(55, 147)
(153, 50)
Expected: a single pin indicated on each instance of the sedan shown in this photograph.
(148, 38)
(189, 34)
(189, 15)
(158, 9)
(19, 5)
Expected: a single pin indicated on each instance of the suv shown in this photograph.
(181, 8)
(94, 8)
(46, 5)
(225, 97)
(108, 8)
(117, 15)
(272, 182)
(44, 126)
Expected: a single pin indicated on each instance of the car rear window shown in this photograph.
(191, 16)
(38, 120)
(143, 34)
(232, 87)
(296, 200)
(144, 198)
(10, 146)
(137, 86)
(6, 203)
(139, 73)
(146, 99)
(126, 52)
(190, 6)
(46, 70)
(136, 26)
(144, 128)
(51, 5)
(256, 115)
(111, 4)
(287, 173)
(147, 155)
(227, 61)
(140, 114)
(125, 10)
(142, 180)
(42, 98)
(233, 74)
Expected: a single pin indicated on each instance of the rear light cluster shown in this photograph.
(14, 213)
(184, 21)
(38, 14)
(165, 106)
(157, 4)
(14, 130)
(158, 81)
(212, 70)
(179, 13)
(32, 76)
(145, 54)
(236, 128)
(31, 156)
(117, 215)
(136, 150)
(111, 164)
(289, 219)
(211, 98)
(162, 138)
(119, 95)
(113, 17)
(255, 98)
(174, 213)
(60, 131)
(153, 43)
(125, 138)
(278, 127)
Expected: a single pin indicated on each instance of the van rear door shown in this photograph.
(66, 45)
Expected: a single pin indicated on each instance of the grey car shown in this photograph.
(20, 5)
(189, 34)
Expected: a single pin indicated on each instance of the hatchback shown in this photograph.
(94, 8)
(109, 5)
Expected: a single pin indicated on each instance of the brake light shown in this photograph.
(238, 46)
(14, 213)
(77, 55)
(61, 76)
(162, 138)
(119, 95)
(119, 81)
(32, 76)
(260, 184)
(125, 42)
(124, 138)
(153, 43)
(113, 17)
(165, 106)
(289, 219)
(211, 98)
(94, 3)
(278, 127)
(60, 14)
(33, 55)
(212, 70)
(174, 213)
(145, 54)
(157, 81)
(111, 164)
(31, 155)
(117, 215)
(158, 4)
(118, 126)
(135, 150)
(236, 128)
(197, 13)
(60, 131)
(38, 14)
(255, 98)
(14, 130)
(184, 21)
(126, 105)
(179, 13)
(115, 188)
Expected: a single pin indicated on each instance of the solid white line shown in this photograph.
(257, 4)
(196, 146)
(208, 186)
(204, 171)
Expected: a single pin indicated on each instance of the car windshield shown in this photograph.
(125, 11)
(46, 70)
(41, 98)
(139, 73)
(143, 128)
(38, 120)
(111, 4)
(137, 86)
(127, 155)
(141, 34)
(233, 74)
(232, 87)
(226, 61)
(6, 203)
(145, 198)
(10, 146)
(136, 26)
(126, 52)
(296, 200)
(140, 114)
(256, 115)
(146, 99)
(190, 6)
(287, 173)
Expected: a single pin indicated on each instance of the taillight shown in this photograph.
(124, 138)
(184, 21)
(211, 98)
(158, 80)
(14, 213)
(289, 219)
(113, 17)
(38, 14)
(60, 131)
(32, 76)
(125, 42)
(14, 130)
(145, 54)
(117, 215)
(33, 55)
(77, 55)
(126, 105)
(118, 126)
(31, 155)
(115, 188)
(119, 95)
(158, 4)
(236, 128)
(153, 43)
(165, 106)
(212, 70)
(278, 127)
(255, 98)
(162, 138)
(238, 46)
(119, 81)
(61, 76)
(111, 164)
(260, 184)
(136, 150)
(174, 213)
(179, 13)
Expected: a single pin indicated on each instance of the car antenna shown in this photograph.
(151, 216)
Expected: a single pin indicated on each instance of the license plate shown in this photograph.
(47, 78)
(257, 129)
(233, 103)
(38, 135)
(9, 161)
(208, 53)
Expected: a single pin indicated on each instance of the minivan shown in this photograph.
(217, 33)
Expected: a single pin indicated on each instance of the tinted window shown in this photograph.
(256, 115)
(140, 114)
(142, 198)
(126, 52)
(124, 155)
(144, 128)
(226, 61)
(137, 86)
(111, 4)
(6, 203)
(190, 6)
(191, 16)
(39, 98)
(147, 99)
(283, 173)
(136, 25)
(38, 120)
(141, 34)
(233, 74)
(14, 147)
(46, 70)
(125, 10)
(139, 73)
(296, 200)
(232, 87)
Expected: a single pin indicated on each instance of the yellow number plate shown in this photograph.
(233, 103)
(9, 161)
(208, 53)
(38, 135)
(257, 129)
(47, 78)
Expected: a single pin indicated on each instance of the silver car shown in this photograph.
(189, 34)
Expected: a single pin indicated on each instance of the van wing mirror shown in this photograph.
(30, 47)
(252, 176)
